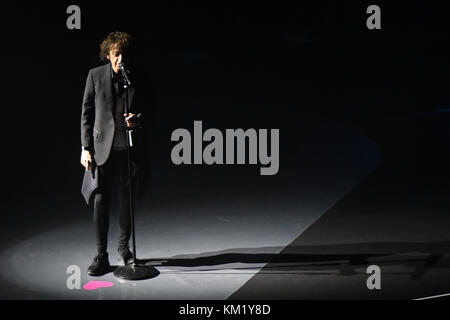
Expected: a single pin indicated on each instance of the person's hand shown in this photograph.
(86, 159)
(131, 120)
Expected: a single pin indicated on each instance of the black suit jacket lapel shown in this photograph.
(107, 82)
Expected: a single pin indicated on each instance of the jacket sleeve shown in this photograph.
(88, 113)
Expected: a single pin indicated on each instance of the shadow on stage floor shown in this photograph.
(344, 259)
(396, 219)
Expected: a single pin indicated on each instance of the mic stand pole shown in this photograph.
(133, 271)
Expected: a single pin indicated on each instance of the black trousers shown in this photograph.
(113, 185)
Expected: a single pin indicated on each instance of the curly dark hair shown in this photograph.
(121, 40)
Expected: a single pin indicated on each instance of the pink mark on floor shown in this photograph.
(93, 285)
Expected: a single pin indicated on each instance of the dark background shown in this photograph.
(253, 65)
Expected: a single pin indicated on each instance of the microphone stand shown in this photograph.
(133, 271)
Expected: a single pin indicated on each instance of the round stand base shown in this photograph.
(135, 272)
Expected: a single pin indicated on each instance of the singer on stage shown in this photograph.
(104, 143)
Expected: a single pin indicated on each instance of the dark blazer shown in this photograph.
(97, 119)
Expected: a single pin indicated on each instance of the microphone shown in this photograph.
(124, 73)
(126, 107)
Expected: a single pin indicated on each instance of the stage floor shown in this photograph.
(311, 236)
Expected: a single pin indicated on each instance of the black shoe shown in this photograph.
(125, 255)
(100, 265)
